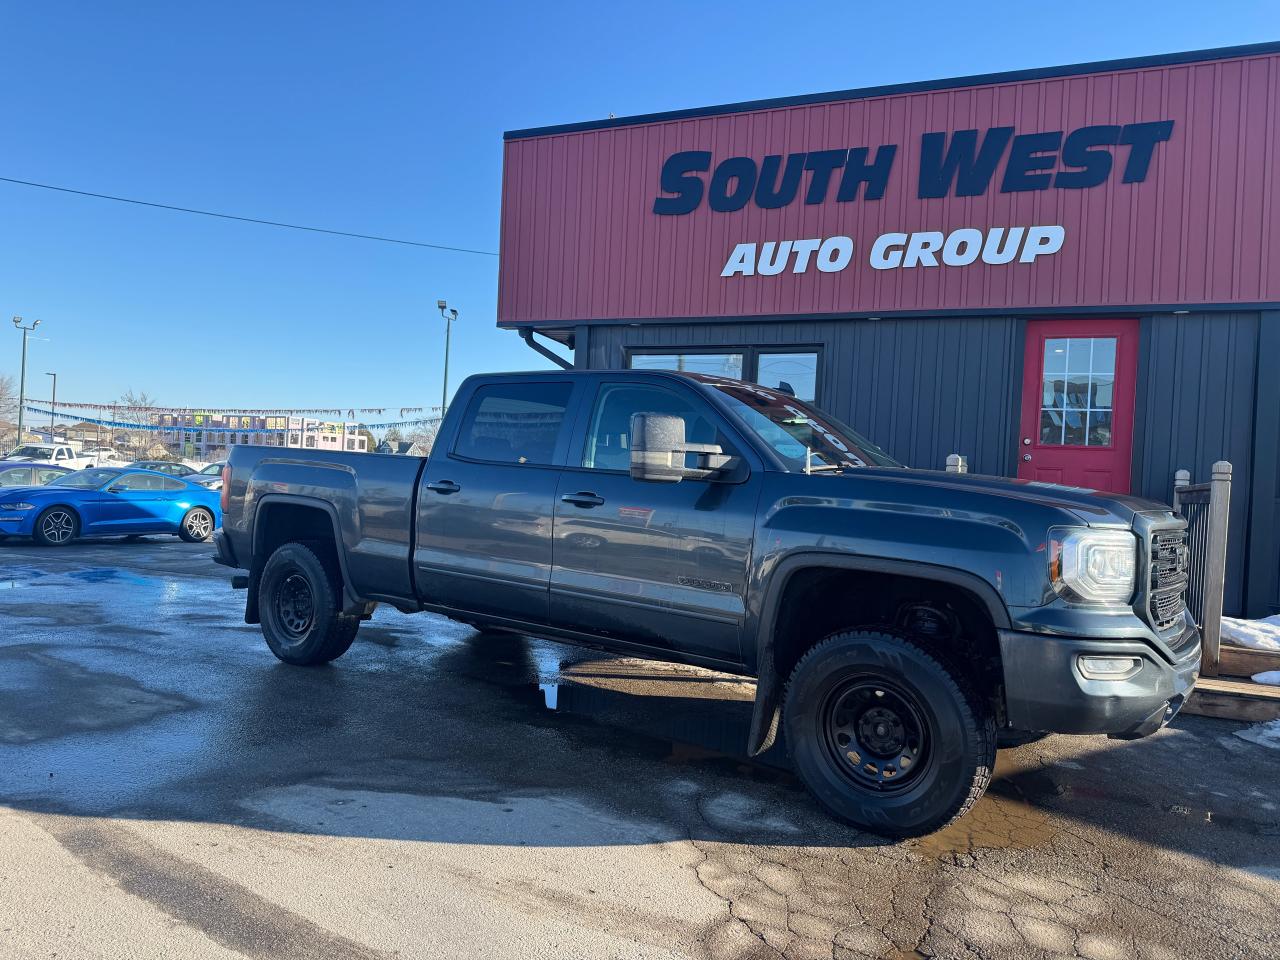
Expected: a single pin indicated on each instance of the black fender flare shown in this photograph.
(767, 712)
(350, 601)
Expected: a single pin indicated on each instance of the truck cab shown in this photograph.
(58, 454)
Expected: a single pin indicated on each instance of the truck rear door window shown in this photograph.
(514, 423)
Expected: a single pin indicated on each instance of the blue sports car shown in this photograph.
(109, 502)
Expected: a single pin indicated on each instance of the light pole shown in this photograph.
(22, 376)
(53, 405)
(449, 315)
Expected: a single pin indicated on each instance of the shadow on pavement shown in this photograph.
(498, 739)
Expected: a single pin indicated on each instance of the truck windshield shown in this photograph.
(31, 452)
(804, 438)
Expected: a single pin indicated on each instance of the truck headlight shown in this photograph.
(1096, 566)
(17, 506)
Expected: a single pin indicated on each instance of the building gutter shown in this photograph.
(527, 335)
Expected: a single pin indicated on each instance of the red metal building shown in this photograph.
(1069, 274)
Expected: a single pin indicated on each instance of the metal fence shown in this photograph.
(1205, 507)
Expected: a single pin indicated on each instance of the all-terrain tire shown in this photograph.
(300, 604)
(885, 735)
(197, 525)
(56, 527)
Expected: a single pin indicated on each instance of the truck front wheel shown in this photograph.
(885, 736)
(299, 599)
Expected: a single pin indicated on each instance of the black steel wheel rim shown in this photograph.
(295, 606)
(875, 734)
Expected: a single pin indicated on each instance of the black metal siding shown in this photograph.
(920, 388)
(1196, 395)
(1263, 582)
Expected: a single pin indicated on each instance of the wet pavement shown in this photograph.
(168, 789)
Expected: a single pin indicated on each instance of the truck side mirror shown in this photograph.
(658, 449)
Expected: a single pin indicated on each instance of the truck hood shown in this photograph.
(1091, 506)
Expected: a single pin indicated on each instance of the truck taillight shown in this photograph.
(226, 486)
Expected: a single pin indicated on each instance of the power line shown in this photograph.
(265, 223)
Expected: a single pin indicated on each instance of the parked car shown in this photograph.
(210, 476)
(103, 456)
(898, 620)
(109, 502)
(59, 454)
(173, 468)
(29, 474)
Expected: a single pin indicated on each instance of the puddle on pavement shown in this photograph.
(12, 577)
(109, 575)
(1007, 818)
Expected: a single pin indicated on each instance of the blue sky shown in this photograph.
(387, 118)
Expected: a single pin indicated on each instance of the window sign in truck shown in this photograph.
(897, 619)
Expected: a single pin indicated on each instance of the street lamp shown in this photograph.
(22, 377)
(449, 315)
(53, 405)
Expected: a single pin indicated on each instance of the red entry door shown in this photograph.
(1079, 382)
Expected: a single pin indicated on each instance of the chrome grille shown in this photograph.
(1168, 583)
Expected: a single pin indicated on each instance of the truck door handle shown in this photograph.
(583, 499)
(443, 486)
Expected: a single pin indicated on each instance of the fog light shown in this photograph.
(1109, 668)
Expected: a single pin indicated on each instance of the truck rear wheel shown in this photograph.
(299, 600)
(885, 736)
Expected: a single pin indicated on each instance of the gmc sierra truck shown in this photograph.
(897, 620)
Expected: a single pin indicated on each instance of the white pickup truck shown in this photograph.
(60, 454)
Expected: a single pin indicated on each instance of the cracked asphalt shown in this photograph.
(167, 789)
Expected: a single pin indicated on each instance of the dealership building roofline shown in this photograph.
(921, 86)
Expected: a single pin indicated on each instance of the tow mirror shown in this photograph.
(658, 449)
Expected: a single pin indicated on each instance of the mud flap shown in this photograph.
(767, 713)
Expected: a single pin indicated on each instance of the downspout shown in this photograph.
(527, 335)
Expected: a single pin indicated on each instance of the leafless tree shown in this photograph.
(141, 439)
(424, 435)
(8, 410)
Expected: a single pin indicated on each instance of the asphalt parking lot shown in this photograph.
(168, 789)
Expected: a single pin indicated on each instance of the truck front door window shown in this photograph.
(608, 444)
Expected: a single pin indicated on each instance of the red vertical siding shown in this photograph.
(580, 240)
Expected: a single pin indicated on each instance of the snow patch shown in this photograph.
(1271, 677)
(1261, 634)
(1263, 734)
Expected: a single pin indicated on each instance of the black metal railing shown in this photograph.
(1205, 507)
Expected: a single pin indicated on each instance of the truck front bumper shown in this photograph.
(1047, 689)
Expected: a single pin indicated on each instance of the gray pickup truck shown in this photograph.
(897, 620)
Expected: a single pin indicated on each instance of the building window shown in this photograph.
(311, 439)
(712, 364)
(786, 370)
(794, 373)
(1078, 378)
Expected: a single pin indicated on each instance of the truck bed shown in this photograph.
(371, 496)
